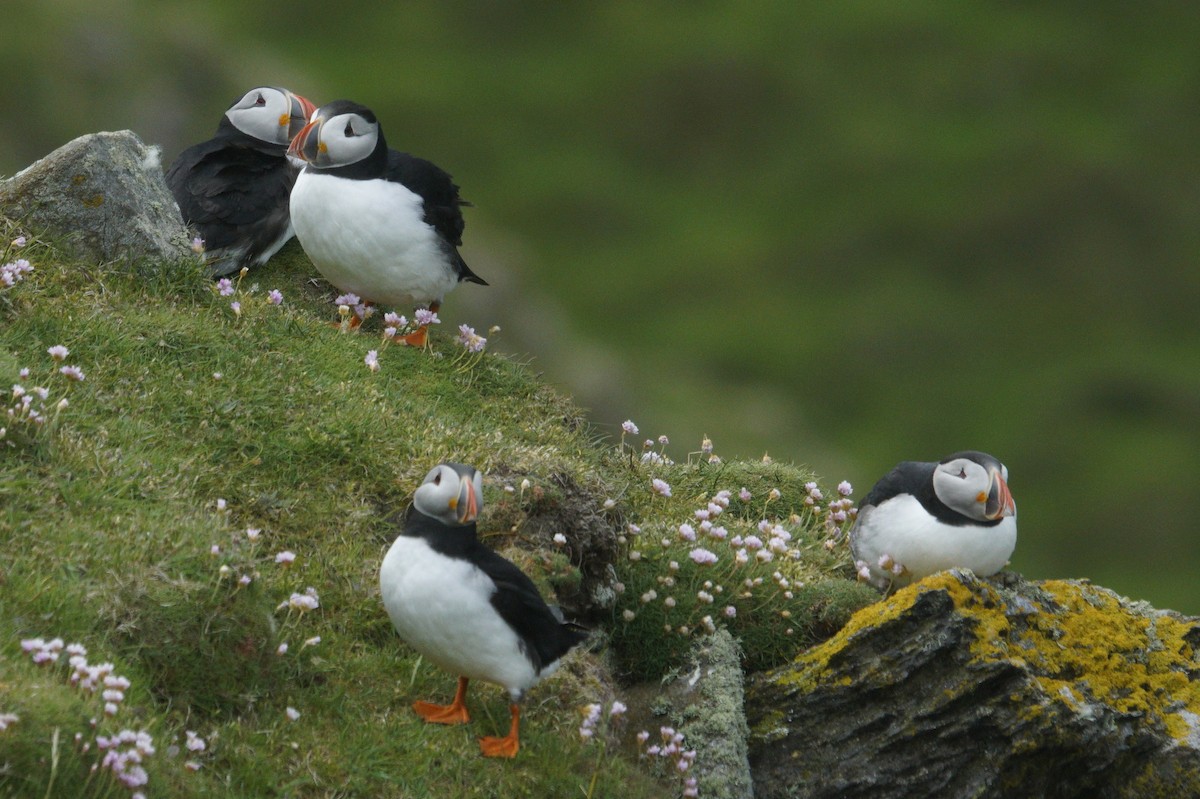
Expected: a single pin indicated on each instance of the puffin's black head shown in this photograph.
(342, 134)
(452, 493)
(974, 484)
(269, 114)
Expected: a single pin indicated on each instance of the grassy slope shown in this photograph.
(108, 524)
(109, 516)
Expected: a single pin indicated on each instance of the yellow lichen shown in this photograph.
(810, 667)
(1083, 644)
(1080, 643)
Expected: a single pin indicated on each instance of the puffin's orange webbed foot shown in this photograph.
(506, 746)
(453, 713)
(417, 338)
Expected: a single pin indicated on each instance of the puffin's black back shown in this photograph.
(544, 638)
(441, 204)
(233, 189)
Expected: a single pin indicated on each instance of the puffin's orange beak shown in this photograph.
(466, 503)
(999, 502)
(302, 108)
(306, 143)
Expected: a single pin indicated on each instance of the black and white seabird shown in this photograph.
(922, 518)
(465, 608)
(378, 223)
(233, 189)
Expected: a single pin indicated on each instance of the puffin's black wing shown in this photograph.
(232, 195)
(442, 204)
(544, 637)
(907, 477)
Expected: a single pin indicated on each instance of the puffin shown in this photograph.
(922, 518)
(233, 189)
(465, 608)
(380, 224)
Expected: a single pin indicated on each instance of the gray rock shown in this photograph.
(708, 702)
(103, 198)
(958, 686)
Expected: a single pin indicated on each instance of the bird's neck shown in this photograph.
(442, 537)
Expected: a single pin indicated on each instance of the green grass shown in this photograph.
(109, 515)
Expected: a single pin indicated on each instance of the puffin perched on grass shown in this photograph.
(233, 189)
(380, 224)
(465, 608)
(922, 518)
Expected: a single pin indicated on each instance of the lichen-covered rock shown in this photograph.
(958, 686)
(708, 700)
(101, 196)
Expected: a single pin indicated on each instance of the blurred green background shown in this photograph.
(845, 234)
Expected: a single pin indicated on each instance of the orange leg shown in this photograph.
(506, 746)
(420, 336)
(453, 713)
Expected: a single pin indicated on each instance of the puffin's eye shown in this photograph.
(349, 130)
(437, 478)
(259, 100)
(962, 473)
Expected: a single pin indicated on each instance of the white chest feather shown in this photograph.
(902, 529)
(369, 237)
(442, 607)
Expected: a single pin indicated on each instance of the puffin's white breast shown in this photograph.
(902, 528)
(369, 237)
(442, 607)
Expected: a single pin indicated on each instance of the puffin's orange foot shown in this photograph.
(417, 338)
(499, 747)
(442, 714)
(453, 713)
(506, 746)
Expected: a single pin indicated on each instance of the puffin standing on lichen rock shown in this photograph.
(380, 224)
(465, 608)
(922, 518)
(233, 189)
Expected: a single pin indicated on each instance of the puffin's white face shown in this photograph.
(269, 114)
(974, 490)
(450, 493)
(344, 139)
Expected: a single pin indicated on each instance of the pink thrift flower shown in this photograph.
(661, 487)
(702, 556)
